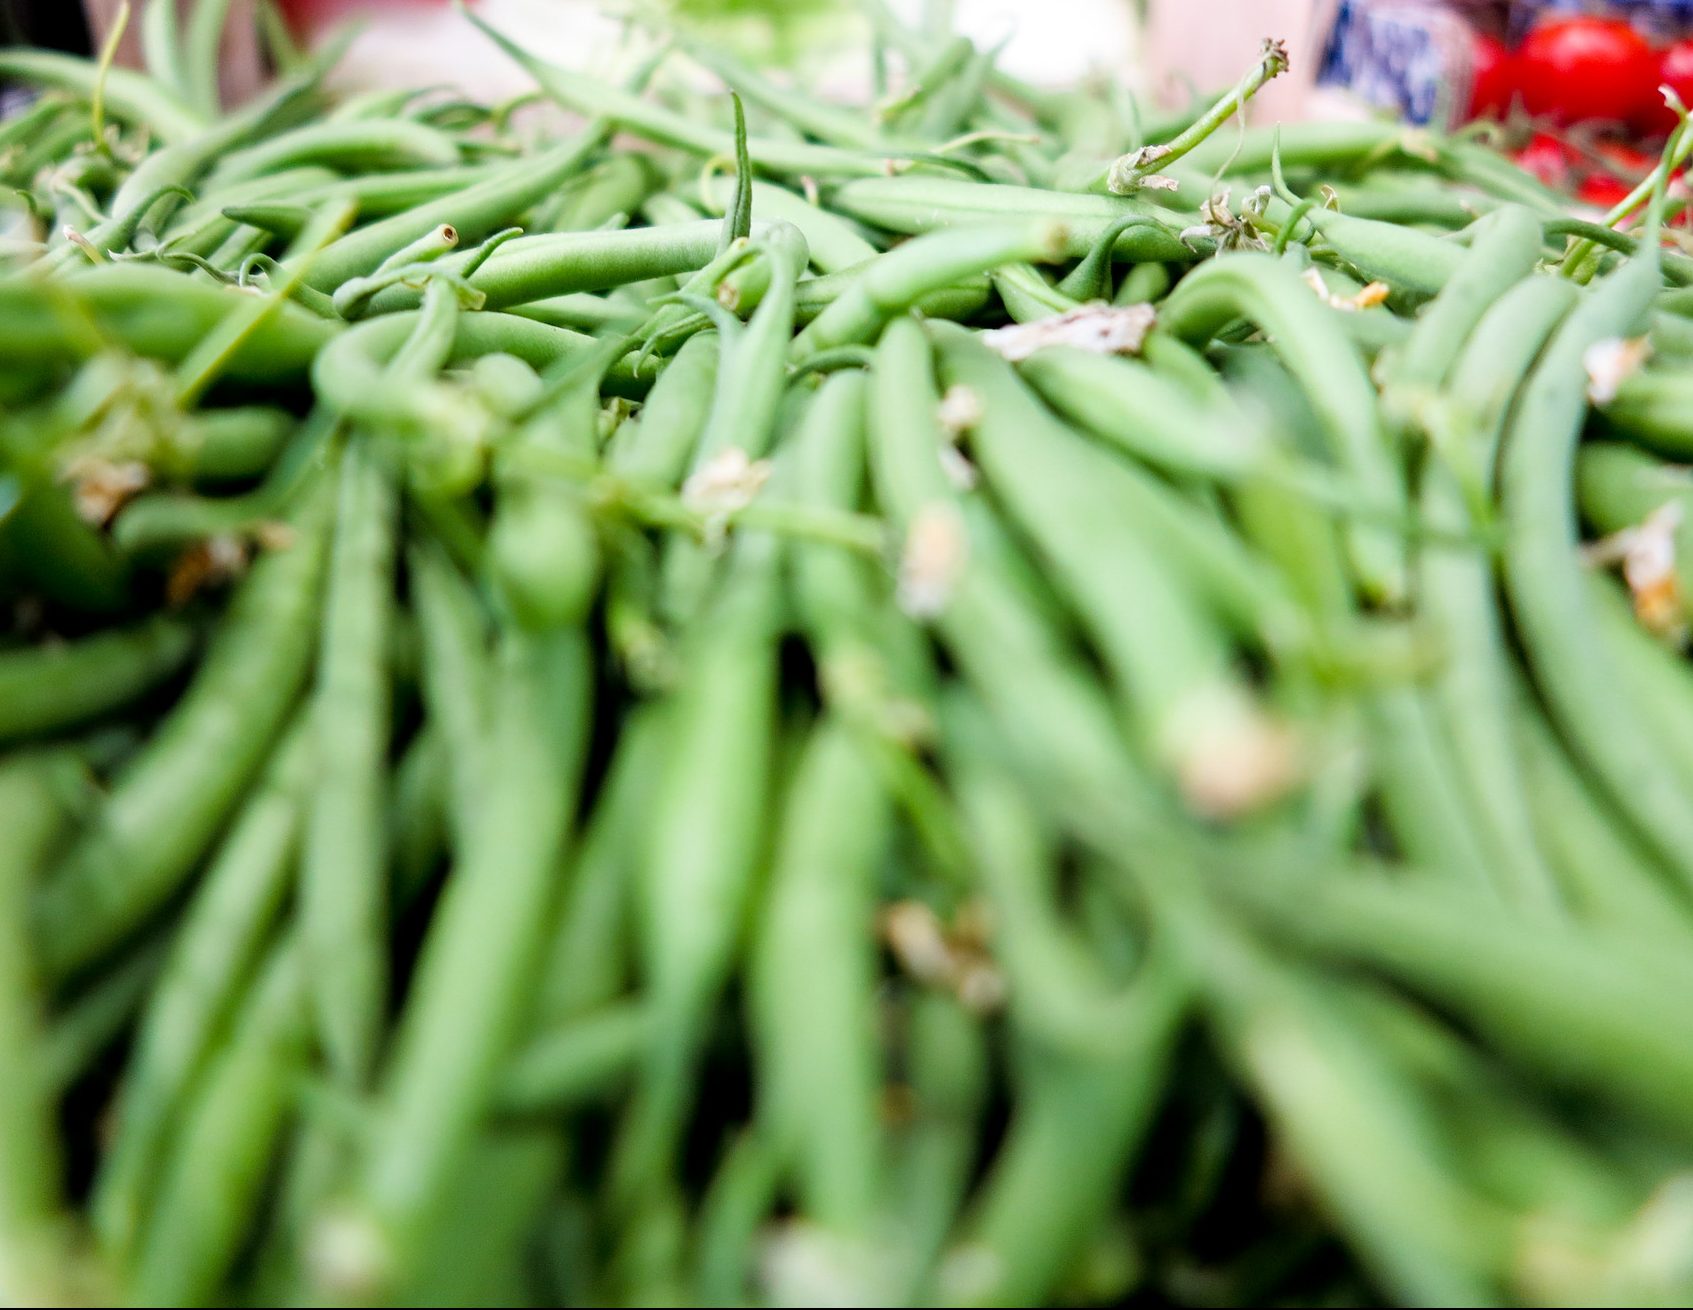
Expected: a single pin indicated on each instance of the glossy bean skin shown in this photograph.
(1168, 685)
(231, 917)
(1327, 366)
(38, 797)
(1049, 706)
(1542, 573)
(436, 1088)
(157, 313)
(47, 690)
(168, 804)
(344, 857)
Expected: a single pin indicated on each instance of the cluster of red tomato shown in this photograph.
(1598, 75)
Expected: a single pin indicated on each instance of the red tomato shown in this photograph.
(1586, 70)
(1603, 191)
(1675, 70)
(1548, 159)
(1492, 78)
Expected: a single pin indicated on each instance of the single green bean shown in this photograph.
(168, 804)
(343, 860)
(211, 957)
(50, 688)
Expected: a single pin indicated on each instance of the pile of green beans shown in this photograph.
(986, 700)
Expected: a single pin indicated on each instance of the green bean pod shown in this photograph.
(214, 952)
(1331, 373)
(698, 866)
(212, 1184)
(167, 805)
(461, 1018)
(896, 281)
(813, 1045)
(1544, 577)
(344, 860)
(37, 801)
(51, 688)
(1167, 654)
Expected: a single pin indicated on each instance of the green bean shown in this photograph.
(738, 1202)
(417, 807)
(533, 268)
(1142, 284)
(1330, 371)
(1544, 580)
(231, 445)
(1654, 673)
(935, 1154)
(660, 448)
(1048, 1185)
(227, 923)
(1428, 1236)
(545, 558)
(52, 688)
(751, 381)
(821, 121)
(460, 1019)
(894, 282)
(1471, 695)
(495, 1202)
(1132, 171)
(1619, 489)
(1006, 651)
(818, 1068)
(1027, 295)
(86, 1027)
(1503, 254)
(161, 46)
(348, 376)
(917, 205)
(474, 212)
(168, 804)
(1425, 809)
(200, 55)
(64, 556)
(835, 243)
(1403, 257)
(1651, 408)
(959, 302)
(156, 313)
(182, 163)
(204, 225)
(158, 523)
(616, 187)
(1136, 407)
(581, 311)
(1607, 875)
(697, 867)
(455, 674)
(1416, 201)
(37, 800)
(588, 959)
(563, 1066)
(127, 93)
(342, 880)
(1164, 650)
(210, 1187)
(1565, 1003)
(373, 146)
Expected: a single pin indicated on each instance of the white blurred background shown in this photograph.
(1050, 42)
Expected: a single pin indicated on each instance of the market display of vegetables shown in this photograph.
(990, 698)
